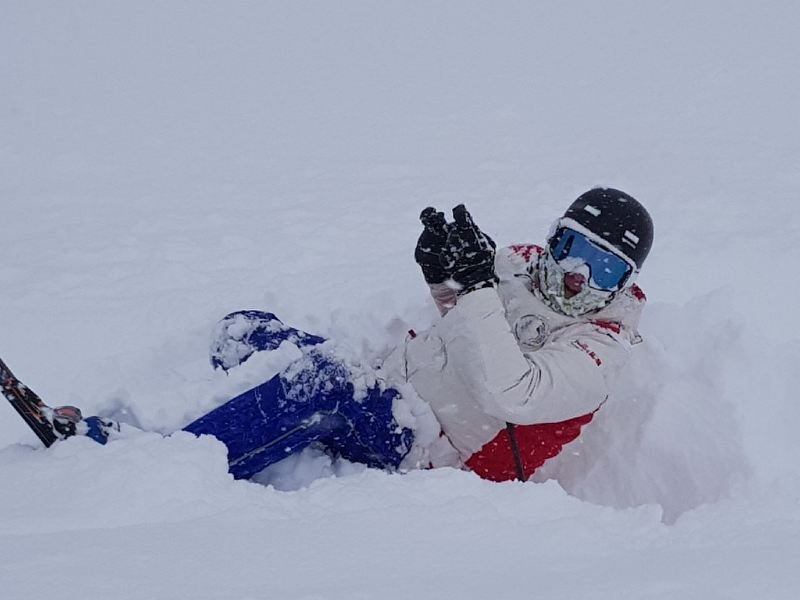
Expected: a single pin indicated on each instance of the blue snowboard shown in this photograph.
(311, 402)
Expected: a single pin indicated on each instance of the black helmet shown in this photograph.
(617, 218)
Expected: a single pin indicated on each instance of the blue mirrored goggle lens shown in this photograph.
(607, 270)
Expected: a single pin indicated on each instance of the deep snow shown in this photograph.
(162, 164)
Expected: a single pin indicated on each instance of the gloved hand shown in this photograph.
(431, 244)
(468, 255)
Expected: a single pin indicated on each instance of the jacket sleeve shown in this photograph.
(443, 296)
(568, 377)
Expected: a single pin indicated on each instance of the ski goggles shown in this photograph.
(607, 270)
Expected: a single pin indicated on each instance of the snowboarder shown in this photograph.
(530, 344)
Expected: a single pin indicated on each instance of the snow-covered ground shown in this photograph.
(164, 163)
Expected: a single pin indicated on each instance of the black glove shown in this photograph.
(430, 245)
(468, 255)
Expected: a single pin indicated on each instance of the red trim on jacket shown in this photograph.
(610, 325)
(638, 293)
(526, 251)
(537, 443)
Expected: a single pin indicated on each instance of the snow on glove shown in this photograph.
(431, 244)
(468, 254)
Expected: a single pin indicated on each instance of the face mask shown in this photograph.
(549, 279)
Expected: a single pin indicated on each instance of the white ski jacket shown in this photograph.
(500, 355)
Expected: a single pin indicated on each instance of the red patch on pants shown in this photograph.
(536, 443)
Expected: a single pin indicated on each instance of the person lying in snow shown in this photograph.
(530, 344)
